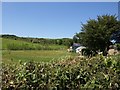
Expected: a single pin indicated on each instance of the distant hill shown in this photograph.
(62, 41)
(8, 36)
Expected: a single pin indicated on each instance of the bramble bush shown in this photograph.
(69, 74)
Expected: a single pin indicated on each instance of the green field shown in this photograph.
(17, 50)
(34, 55)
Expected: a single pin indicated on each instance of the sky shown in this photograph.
(59, 0)
(51, 19)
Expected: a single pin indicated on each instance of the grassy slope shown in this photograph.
(6, 42)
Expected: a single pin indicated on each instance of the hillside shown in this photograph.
(11, 44)
(60, 41)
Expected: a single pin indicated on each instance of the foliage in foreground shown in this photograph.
(69, 74)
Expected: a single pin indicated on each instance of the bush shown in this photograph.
(69, 74)
(87, 52)
(118, 47)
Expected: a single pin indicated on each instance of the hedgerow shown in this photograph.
(70, 74)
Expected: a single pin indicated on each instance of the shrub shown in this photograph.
(118, 47)
(70, 74)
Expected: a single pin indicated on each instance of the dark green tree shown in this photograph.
(96, 33)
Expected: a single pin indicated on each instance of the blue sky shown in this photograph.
(51, 19)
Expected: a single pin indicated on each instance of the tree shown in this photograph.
(96, 33)
(115, 37)
(75, 39)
